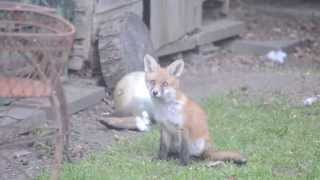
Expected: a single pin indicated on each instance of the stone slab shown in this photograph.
(12, 114)
(262, 47)
(78, 98)
(19, 120)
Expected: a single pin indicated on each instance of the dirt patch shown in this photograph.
(256, 76)
(220, 73)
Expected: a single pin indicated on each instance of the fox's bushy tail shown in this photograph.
(232, 156)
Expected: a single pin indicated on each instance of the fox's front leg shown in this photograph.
(184, 154)
(164, 144)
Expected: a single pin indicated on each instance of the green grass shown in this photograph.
(281, 142)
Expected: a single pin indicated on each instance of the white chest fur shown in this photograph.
(169, 114)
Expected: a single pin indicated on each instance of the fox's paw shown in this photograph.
(184, 162)
(141, 124)
(157, 158)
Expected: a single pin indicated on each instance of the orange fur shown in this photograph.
(184, 125)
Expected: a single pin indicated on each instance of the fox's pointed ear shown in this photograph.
(176, 68)
(150, 64)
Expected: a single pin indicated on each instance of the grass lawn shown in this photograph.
(281, 142)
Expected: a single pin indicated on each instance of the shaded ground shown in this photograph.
(221, 73)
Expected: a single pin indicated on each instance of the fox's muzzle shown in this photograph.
(155, 92)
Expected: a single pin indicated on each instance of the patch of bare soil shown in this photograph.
(256, 76)
(220, 73)
(267, 25)
(27, 159)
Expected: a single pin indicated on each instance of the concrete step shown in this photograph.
(211, 32)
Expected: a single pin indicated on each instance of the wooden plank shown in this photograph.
(104, 6)
(171, 20)
(192, 15)
(215, 31)
(219, 30)
(167, 18)
(177, 46)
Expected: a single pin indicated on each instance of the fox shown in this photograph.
(183, 122)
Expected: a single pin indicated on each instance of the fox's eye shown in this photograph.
(165, 83)
(152, 82)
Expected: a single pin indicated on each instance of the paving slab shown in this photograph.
(20, 120)
(16, 114)
(262, 47)
(78, 98)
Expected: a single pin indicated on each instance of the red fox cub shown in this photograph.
(183, 123)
